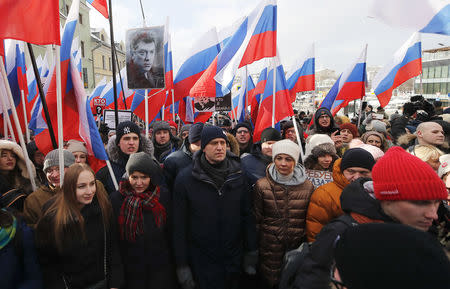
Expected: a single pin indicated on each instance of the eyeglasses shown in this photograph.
(324, 116)
(242, 132)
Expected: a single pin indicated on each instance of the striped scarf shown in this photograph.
(7, 234)
(131, 220)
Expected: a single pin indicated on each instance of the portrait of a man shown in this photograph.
(145, 58)
(204, 104)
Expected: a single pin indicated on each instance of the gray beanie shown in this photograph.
(143, 163)
(287, 147)
(52, 159)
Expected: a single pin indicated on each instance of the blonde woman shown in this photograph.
(429, 154)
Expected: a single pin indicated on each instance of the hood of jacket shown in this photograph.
(358, 197)
(317, 127)
(234, 145)
(338, 176)
(115, 155)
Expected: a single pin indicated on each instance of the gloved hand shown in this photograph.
(185, 278)
(250, 261)
(368, 119)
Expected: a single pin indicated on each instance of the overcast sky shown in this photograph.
(339, 28)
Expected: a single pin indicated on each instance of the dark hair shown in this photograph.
(142, 37)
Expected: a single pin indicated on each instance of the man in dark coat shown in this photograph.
(254, 164)
(164, 141)
(323, 122)
(213, 223)
(127, 140)
(180, 159)
(243, 133)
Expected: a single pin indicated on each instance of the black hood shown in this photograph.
(358, 197)
(317, 127)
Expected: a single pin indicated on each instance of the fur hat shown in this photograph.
(315, 140)
(161, 125)
(76, 146)
(52, 159)
(324, 149)
(401, 176)
(20, 162)
(288, 147)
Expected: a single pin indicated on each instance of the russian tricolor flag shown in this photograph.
(257, 93)
(100, 6)
(239, 101)
(349, 86)
(283, 107)
(406, 63)
(301, 76)
(426, 16)
(254, 39)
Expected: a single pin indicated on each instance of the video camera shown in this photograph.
(418, 104)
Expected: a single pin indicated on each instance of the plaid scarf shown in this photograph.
(131, 221)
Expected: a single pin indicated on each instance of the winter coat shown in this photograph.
(359, 207)
(254, 165)
(280, 212)
(318, 129)
(34, 204)
(81, 263)
(150, 252)
(325, 204)
(175, 162)
(19, 263)
(118, 162)
(212, 226)
(234, 145)
(162, 152)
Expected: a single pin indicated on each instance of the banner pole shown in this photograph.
(146, 113)
(27, 133)
(173, 106)
(6, 120)
(57, 50)
(18, 128)
(111, 32)
(274, 92)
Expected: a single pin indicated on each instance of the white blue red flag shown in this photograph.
(257, 94)
(254, 39)
(349, 86)
(426, 16)
(100, 6)
(301, 76)
(406, 63)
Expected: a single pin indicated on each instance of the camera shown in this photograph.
(418, 104)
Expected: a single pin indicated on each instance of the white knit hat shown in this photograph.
(288, 147)
(76, 146)
(445, 165)
(315, 140)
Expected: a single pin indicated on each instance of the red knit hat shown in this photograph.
(351, 127)
(399, 175)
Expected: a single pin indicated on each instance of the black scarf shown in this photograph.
(217, 172)
(160, 149)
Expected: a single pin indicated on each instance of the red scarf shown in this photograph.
(131, 212)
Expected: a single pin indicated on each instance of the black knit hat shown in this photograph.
(391, 256)
(211, 132)
(144, 163)
(125, 128)
(161, 125)
(270, 134)
(195, 132)
(357, 157)
(243, 124)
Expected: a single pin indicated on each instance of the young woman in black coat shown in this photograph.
(76, 242)
(140, 207)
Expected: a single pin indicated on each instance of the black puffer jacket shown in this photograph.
(212, 226)
(360, 207)
(175, 162)
(254, 164)
(81, 263)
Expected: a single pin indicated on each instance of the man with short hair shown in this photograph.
(403, 190)
(325, 202)
(254, 164)
(141, 70)
(164, 141)
(213, 223)
(243, 133)
(127, 141)
(427, 133)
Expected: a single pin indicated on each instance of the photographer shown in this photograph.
(414, 112)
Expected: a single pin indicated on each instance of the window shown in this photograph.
(82, 48)
(425, 72)
(103, 62)
(437, 88)
(444, 71)
(80, 18)
(109, 63)
(430, 72)
(85, 78)
(437, 72)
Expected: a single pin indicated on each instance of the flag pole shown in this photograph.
(27, 133)
(360, 109)
(274, 92)
(299, 140)
(111, 32)
(146, 113)
(173, 106)
(124, 99)
(18, 128)
(42, 96)
(6, 121)
(57, 50)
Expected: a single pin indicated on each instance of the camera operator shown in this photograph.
(414, 112)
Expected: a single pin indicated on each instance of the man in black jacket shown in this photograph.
(213, 223)
(404, 190)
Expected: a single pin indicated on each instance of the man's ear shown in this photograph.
(419, 134)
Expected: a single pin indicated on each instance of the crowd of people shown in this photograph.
(206, 206)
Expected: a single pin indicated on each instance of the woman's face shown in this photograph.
(7, 160)
(325, 161)
(347, 135)
(374, 140)
(434, 163)
(284, 164)
(86, 187)
(80, 157)
(139, 182)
